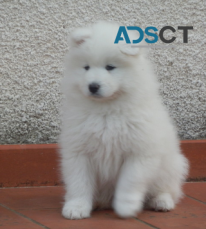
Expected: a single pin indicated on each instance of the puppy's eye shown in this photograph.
(87, 67)
(110, 67)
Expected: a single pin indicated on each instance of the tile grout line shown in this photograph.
(20, 214)
(196, 199)
(148, 224)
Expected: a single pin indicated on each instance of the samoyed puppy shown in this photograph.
(119, 147)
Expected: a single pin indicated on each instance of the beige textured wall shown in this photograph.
(33, 41)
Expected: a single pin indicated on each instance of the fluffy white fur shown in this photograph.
(119, 148)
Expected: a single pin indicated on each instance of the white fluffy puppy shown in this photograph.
(119, 147)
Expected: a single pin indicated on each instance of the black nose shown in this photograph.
(94, 87)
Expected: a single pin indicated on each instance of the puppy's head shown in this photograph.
(98, 68)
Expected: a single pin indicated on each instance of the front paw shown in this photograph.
(162, 202)
(128, 207)
(76, 209)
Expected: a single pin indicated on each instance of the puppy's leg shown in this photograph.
(132, 185)
(166, 190)
(79, 184)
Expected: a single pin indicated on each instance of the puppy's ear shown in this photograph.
(129, 49)
(79, 36)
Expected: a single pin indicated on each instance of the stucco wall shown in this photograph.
(33, 41)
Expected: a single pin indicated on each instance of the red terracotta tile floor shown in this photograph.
(40, 207)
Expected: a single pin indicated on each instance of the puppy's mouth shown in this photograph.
(99, 97)
(96, 96)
